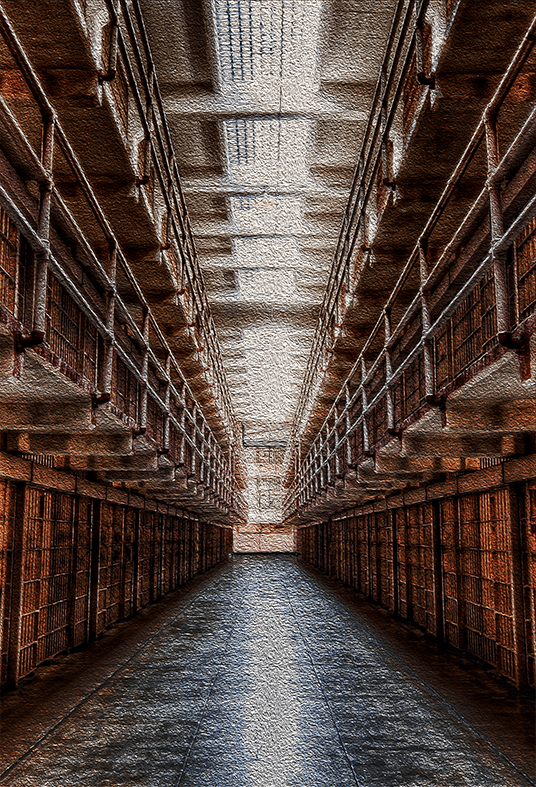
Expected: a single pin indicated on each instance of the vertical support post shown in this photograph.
(327, 464)
(194, 443)
(167, 402)
(314, 468)
(517, 517)
(136, 564)
(348, 441)
(161, 546)
(396, 573)
(423, 77)
(429, 377)
(149, 121)
(387, 177)
(198, 548)
(73, 576)
(182, 449)
(411, 560)
(336, 447)
(437, 567)
(124, 558)
(388, 373)
(144, 372)
(95, 569)
(111, 70)
(43, 229)
(370, 583)
(500, 275)
(202, 461)
(364, 405)
(457, 525)
(210, 463)
(107, 369)
(15, 627)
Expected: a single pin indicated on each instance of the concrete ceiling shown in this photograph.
(266, 101)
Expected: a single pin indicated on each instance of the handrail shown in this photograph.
(496, 247)
(193, 269)
(369, 157)
(42, 246)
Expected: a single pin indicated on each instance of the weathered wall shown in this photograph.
(263, 538)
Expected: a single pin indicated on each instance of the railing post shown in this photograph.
(167, 399)
(429, 375)
(391, 429)
(504, 333)
(336, 447)
(107, 369)
(43, 230)
(110, 73)
(202, 468)
(327, 457)
(423, 77)
(364, 405)
(182, 449)
(349, 452)
(316, 468)
(145, 373)
(386, 164)
(194, 441)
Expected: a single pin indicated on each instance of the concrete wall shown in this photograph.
(264, 538)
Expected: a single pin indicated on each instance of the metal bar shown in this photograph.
(501, 92)
(110, 73)
(43, 230)
(107, 372)
(14, 644)
(498, 244)
(93, 599)
(516, 514)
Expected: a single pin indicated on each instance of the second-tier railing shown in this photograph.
(85, 310)
(465, 296)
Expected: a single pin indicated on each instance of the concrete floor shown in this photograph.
(259, 674)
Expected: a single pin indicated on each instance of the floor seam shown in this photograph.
(319, 681)
(454, 712)
(93, 691)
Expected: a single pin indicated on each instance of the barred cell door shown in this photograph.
(46, 572)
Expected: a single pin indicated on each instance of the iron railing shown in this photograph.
(473, 295)
(99, 324)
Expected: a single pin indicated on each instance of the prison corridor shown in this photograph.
(261, 674)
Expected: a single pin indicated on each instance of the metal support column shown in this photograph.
(13, 656)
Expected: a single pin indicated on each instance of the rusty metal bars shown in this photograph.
(495, 258)
(39, 240)
(373, 157)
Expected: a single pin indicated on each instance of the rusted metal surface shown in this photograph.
(7, 492)
(463, 314)
(398, 72)
(461, 569)
(404, 40)
(129, 83)
(82, 565)
(93, 330)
